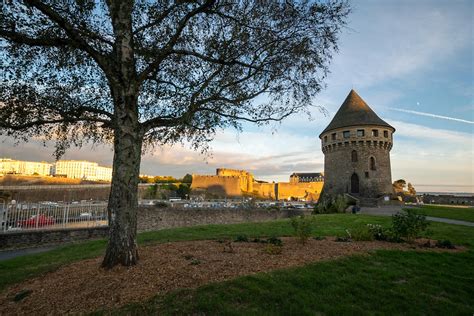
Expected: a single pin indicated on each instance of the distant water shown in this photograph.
(447, 193)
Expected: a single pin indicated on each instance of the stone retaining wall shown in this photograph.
(152, 218)
(37, 238)
(149, 218)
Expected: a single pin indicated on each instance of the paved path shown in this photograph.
(9, 254)
(392, 209)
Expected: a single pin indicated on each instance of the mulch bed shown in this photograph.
(83, 287)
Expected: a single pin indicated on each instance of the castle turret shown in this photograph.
(356, 146)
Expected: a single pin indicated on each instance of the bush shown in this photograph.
(161, 204)
(241, 238)
(362, 234)
(275, 241)
(273, 249)
(408, 225)
(445, 244)
(377, 231)
(331, 204)
(302, 227)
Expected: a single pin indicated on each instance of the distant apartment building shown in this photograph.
(10, 166)
(81, 169)
(307, 177)
(104, 173)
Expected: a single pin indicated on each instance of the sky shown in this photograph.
(411, 61)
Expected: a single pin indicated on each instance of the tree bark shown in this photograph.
(123, 200)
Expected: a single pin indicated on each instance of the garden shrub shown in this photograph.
(272, 249)
(445, 244)
(362, 234)
(161, 204)
(377, 231)
(331, 204)
(241, 238)
(408, 225)
(302, 226)
(275, 241)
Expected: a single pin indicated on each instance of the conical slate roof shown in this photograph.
(353, 112)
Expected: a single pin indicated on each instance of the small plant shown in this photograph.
(21, 295)
(445, 244)
(408, 225)
(302, 227)
(347, 238)
(275, 241)
(331, 204)
(160, 204)
(362, 234)
(228, 247)
(272, 249)
(195, 262)
(241, 238)
(343, 239)
(319, 238)
(377, 231)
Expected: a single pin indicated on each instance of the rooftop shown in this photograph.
(354, 112)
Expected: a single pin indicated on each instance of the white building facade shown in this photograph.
(10, 166)
(81, 169)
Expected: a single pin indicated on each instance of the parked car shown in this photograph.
(41, 220)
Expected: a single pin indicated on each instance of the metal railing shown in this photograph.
(51, 215)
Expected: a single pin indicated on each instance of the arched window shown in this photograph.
(372, 163)
(354, 156)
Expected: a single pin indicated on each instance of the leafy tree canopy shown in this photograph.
(138, 73)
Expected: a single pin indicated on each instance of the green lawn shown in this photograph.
(388, 282)
(464, 214)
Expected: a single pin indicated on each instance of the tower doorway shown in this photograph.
(354, 183)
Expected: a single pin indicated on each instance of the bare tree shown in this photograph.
(136, 73)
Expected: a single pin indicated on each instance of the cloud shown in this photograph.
(389, 40)
(437, 135)
(432, 115)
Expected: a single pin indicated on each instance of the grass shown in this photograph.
(464, 214)
(388, 282)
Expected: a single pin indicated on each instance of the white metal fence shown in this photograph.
(50, 215)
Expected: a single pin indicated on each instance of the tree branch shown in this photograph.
(20, 38)
(169, 46)
(71, 31)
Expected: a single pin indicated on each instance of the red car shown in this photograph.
(42, 220)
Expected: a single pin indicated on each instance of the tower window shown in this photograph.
(333, 136)
(354, 156)
(385, 134)
(360, 133)
(372, 163)
(375, 132)
(346, 134)
(325, 139)
(366, 174)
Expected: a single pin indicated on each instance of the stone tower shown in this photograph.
(356, 146)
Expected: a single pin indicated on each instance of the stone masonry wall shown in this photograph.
(339, 167)
(149, 219)
(220, 185)
(152, 218)
(37, 238)
(307, 190)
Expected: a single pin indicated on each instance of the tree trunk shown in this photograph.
(123, 200)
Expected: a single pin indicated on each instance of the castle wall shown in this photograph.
(220, 185)
(302, 190)
(246, 178)
(265, 190)
(339, 167)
